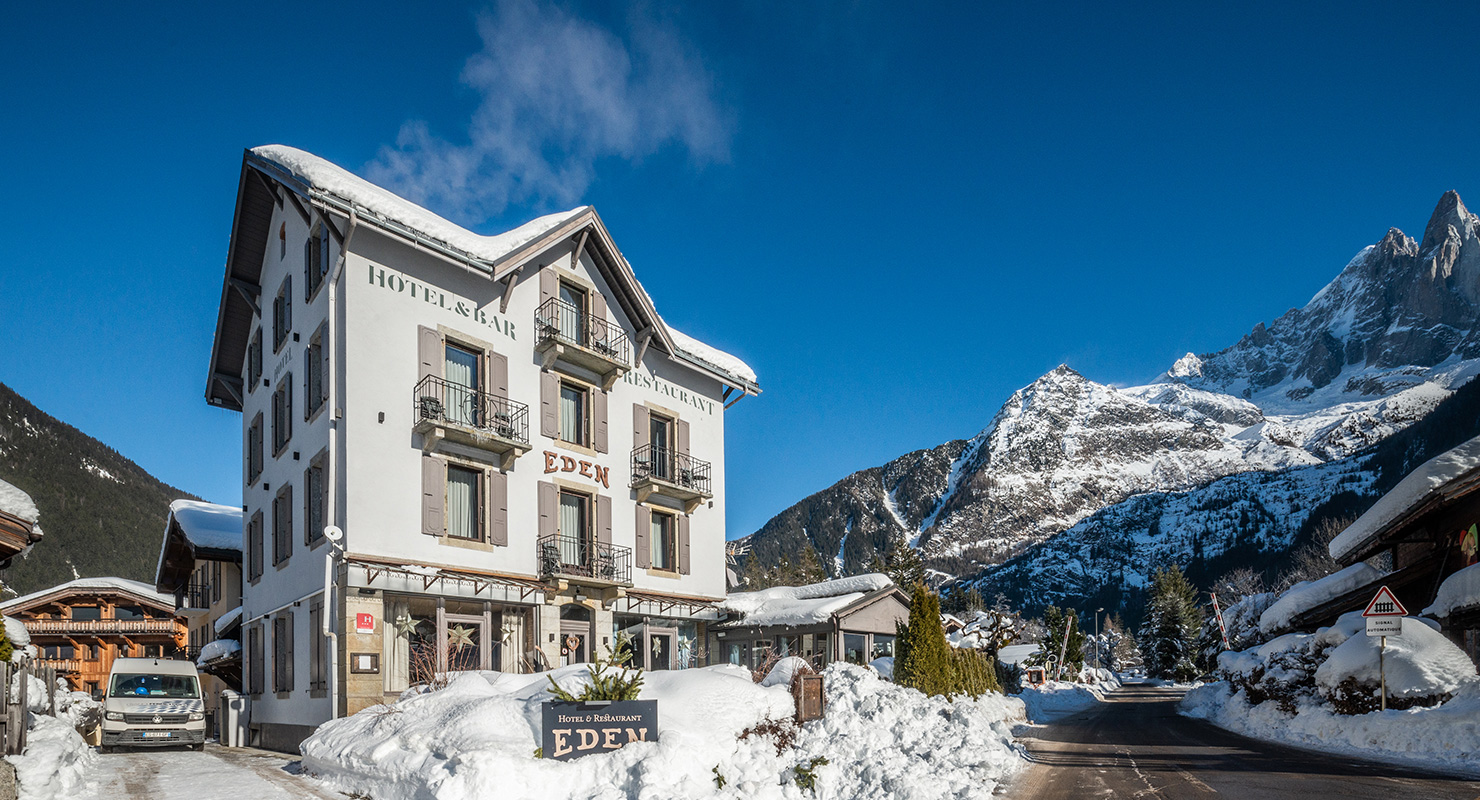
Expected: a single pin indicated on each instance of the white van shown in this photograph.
(152, 702)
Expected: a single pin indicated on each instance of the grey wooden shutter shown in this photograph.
(644, 530)
(603, 519)
(640, 417)
(598, 420)
(433, 496)
(549, 405)
(307, 508)
(598, 307)
(549, 285)
(683, 544)
(310, 397)
(324, 376)
(287, 307)
(429, 352)
(287, 522)
(683, 438)
(308, 253)
(288, 409)
(288, 651)
(498, 508)
(549, 502)
(497, 373)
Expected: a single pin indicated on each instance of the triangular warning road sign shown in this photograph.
(1385, 605)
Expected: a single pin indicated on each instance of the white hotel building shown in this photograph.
(523, 458)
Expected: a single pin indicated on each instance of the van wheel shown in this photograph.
(199, 748)
(105, 748)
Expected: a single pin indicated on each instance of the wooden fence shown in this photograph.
(15, 699)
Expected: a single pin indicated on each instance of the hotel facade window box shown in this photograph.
(523, 561)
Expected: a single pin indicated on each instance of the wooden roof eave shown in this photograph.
(1437, 500)
(253, 203)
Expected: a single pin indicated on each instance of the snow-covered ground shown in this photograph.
(1058, 699)
(477, 738)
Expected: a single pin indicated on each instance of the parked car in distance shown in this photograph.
(152, 702)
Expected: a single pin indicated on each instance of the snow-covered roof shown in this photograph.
(227, 620)
(16, 631)
(17, 503)
(208, 524)
(217, 650)
(80, 584)
(1410, 492)
(802, 605)
(1458, 591)
(1306, 595)
(388, 206)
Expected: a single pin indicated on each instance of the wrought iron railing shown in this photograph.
(664, 464)
(581, 557)
(561, 321)
(193, 595)
(443, 401)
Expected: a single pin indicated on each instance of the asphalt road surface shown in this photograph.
(219, 773)
(1136, 746)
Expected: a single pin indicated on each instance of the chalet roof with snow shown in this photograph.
(1435, 484)
(272, 175)
(196, 530)
(18, 517)
(813, 604)
(91, 587)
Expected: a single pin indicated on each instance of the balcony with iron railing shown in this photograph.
(447, 411)
(193, 599)
(664, 472)
(84, 627)
(586, 561)
(563, 332)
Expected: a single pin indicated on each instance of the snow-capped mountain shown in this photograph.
(1373, 352)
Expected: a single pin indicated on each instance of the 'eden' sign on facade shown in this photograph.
(572, 730)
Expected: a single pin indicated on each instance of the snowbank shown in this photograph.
(1306, 595)
(54, 762)
(17, 503)
(1460, 590)
(1446, 736)
(1016, 653)
(208, 524)
(802, 605)
(16, 631)
(1421, 662)
(477, 737)
(1410, 492)
(785, 670)
(884, 666)
(1056, 699)
(221, 648)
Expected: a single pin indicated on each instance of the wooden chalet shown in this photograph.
(18, 528)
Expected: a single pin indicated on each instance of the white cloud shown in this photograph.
(557, 93)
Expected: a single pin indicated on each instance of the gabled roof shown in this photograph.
(1437, 482)
(805, 605)
(275, 174)
(196, 530)
(90, 586)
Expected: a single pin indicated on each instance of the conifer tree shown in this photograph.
(807, 569)
(901, 563)
(6, 648)
(922, 659)
(1170, 632)
(1056, 623)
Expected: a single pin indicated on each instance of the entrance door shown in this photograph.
(660, 436)
(575, 638)
(660, 645)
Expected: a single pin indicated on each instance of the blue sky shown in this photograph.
(897, 214)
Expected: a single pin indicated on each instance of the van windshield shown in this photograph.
(134, 685)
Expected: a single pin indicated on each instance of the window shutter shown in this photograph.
(324, 376)
(549, 284)
(598, 306)
(683, 438)
(307, 266)
(640, 417)
(325, 245)
(496, 370)
(287, 306)
(549, 501)
(598, 420)
(603, 519)
(498, 508)
(308, 392)
(307, 510)
(288, 652)
(549, 404)
(288, 408)
(287, 522)
(644, 530)
(433, 496)
(429, 352)
(683, 544)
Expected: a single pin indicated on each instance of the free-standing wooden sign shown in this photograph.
(572, 730)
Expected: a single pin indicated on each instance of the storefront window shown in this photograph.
(659, 643)
(853, 647)
(409, 651)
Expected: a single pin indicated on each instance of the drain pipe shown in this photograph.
(330, 614)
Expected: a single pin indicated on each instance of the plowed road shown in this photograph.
(1136, 746)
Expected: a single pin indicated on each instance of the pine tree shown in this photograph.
(972, 601)
(807, 569)
(1056, 622)
(922, 659)
(6, 648)
(1170, 632)
(902, 564)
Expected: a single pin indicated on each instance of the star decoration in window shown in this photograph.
(404, 625)
(459, 637)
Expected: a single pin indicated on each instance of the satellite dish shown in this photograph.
(333, 533)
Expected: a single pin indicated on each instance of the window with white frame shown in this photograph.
(575, 528)
(661, 541)
(574, 413)
(464, 503)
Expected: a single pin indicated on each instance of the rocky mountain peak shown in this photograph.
(1188, 366)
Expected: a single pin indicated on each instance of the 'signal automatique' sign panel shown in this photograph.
(572, 730)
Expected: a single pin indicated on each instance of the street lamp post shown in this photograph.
(1097, 638)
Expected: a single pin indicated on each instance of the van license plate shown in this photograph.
(158, 734)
